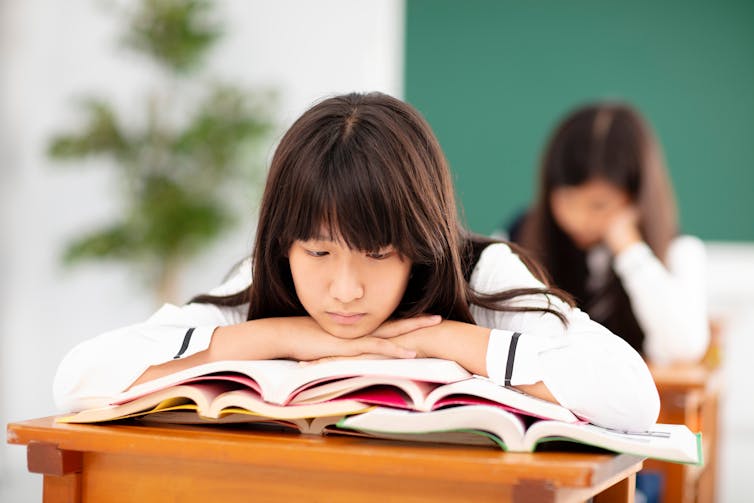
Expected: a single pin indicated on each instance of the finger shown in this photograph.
(399, 327)
(629, 216)
(336, 358)
(378, 346)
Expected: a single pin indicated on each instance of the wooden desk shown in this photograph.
(127, 463)
(690, 395)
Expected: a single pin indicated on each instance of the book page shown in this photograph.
(248, 400)
(513, 398)
(508, 427)
(198, 395)
(388, 370)
(415, 391)
(262, 372)
(671, 442)
(279, 380)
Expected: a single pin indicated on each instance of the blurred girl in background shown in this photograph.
(604, 225)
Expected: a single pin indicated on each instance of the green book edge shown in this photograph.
(699, 452)
(502, 445)
(497, 440)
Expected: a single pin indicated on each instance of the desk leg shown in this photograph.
(527, 491)
(707, 483)
(624, 492)
(62, 489)
(679, 407)
(61, 470)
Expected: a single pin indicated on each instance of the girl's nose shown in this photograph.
(346, 285)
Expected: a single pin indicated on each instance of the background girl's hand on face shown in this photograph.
(623, 230)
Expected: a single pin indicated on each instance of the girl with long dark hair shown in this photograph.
(359, 254)
(604, 227)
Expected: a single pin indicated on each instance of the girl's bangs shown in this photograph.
(356, 204)
(577, 160)
(571, 164)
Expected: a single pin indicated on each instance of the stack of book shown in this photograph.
(415, 400)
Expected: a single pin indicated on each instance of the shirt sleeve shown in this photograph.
(669, 302)
(96, 370)
(586, 367)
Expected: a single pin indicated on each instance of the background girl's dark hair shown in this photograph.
(366, 169)
(610, 141)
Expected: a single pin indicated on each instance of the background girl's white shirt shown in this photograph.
(669, 302)
(587, 368)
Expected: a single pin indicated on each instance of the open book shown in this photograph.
(282, 389)
(482, 424)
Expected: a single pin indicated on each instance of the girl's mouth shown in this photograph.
(345, 318)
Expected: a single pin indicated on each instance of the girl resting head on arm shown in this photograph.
(359, 254)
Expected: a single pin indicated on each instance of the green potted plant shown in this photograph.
(180, 180)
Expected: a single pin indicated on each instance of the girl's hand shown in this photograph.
(367, 356)
(395, 328)
(389, 330)
(300, 338)
(463, 343)
(623, 230)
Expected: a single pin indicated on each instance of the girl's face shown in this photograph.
(348, 292)
(585, 212)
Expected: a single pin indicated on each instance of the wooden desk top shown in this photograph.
(687, 377)
(284, 449)
(342, 454)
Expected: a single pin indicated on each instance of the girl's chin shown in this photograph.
(345, 332)
(585, 244)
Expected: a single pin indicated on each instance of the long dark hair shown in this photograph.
(608, 141)
(367, 169)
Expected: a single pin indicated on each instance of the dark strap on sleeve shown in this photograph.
(511, 358)
(185, 344)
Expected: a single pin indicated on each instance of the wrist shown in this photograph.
(621, 243)
(464, 343)
(438, 343)
(418, 341)
(250, 340)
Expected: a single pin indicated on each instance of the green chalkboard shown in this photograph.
(493, 77)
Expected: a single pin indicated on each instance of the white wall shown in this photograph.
(52, 51)
(731, 287)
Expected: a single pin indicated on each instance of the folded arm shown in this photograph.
(176, 338)
(669, 301)
(582, 364)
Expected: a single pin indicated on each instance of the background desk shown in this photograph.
(126, 463)
(690, 395)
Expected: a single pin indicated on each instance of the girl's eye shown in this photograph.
(380, 255)
(316, 253)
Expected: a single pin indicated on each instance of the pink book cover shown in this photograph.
(244, 381)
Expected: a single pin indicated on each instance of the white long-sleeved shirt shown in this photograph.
(587, 368)
(668, 301)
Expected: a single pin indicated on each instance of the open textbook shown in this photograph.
(428, 400)
(670, 442)
(282, 389)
